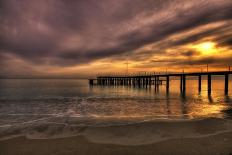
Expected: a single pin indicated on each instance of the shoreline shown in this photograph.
(200, 137)
(213, 145)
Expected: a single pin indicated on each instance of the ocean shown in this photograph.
(48, 108)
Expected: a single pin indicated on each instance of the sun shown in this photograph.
(206, 48)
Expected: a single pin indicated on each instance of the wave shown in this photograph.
(133, 133)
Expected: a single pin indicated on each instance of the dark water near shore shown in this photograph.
(25, 103)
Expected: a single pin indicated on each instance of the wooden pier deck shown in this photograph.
(147, 80)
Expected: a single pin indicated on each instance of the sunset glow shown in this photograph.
(206, 48)
(68, 39)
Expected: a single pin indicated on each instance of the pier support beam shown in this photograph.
(184, 83)
(167, 84)
(199, 83)
(226, 83)
(181, 83)
(209, 84)
(146, 82)
(139, 82)
(91, 82)
(155, 83)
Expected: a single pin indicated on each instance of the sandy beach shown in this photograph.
(198, 137)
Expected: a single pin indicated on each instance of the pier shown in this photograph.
(147, 80)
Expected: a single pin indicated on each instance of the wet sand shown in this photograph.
(202, 137)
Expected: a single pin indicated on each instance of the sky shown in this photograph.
(84, 38)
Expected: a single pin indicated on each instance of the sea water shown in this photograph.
(60, 106)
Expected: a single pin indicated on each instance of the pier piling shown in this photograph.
(167, 84)
(181, 83)
(184, 83)
(226, 83)
(209, 84)
(199, 83)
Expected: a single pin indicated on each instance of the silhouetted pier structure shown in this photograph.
(147, 80)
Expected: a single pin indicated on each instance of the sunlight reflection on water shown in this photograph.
(26, 100)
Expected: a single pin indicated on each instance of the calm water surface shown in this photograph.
(26, 102)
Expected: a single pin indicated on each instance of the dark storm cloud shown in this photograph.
(189, 53)
(224, 40)
(198, 36)
(64, 32)
(178, 24)
(227, 42)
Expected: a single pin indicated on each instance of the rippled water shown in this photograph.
(28, 102)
